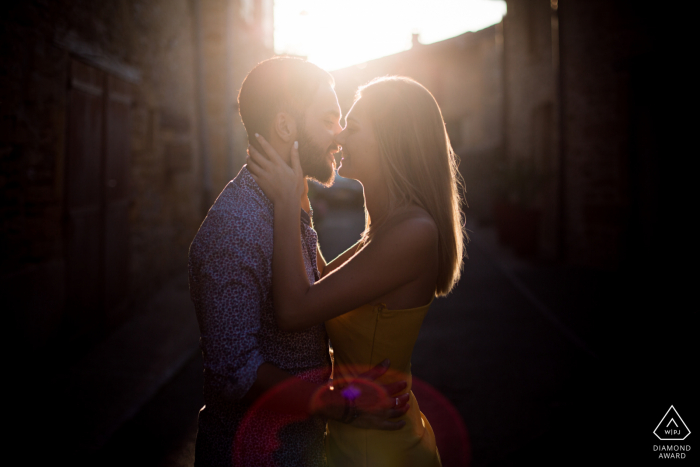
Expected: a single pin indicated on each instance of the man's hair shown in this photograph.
(278, 84)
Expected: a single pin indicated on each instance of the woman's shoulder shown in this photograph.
(414, 216)
(414, 225)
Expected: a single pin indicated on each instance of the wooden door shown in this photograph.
(97, 232)
(116, 196)
(83, 197)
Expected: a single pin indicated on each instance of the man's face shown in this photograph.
(320, 125)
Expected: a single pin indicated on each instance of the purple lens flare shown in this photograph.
(351, 392)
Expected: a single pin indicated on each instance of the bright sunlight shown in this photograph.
(335, 34)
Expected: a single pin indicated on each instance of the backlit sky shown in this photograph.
(337, 33)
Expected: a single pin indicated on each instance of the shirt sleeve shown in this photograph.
(232, 281)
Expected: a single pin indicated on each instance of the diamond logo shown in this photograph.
(671, 427)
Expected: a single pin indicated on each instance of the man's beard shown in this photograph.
(314, 160)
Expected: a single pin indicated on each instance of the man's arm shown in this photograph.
(227, 282)
(295, 397)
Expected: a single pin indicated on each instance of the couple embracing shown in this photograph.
(268, 303)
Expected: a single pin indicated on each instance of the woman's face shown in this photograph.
(360, 151)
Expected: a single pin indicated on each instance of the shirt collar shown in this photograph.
(248, 181)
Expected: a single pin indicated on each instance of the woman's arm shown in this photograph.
(385, 264)
(397, 257)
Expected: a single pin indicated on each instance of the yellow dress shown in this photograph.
(361, 339)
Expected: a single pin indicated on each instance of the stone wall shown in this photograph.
(599, 42)
(572, 68)
(150, 49)
(531, 169)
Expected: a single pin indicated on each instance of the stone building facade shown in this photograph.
(464, 73)
(555, 114)
(579, 111)
(118, 127)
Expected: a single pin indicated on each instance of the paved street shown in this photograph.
(511, 348)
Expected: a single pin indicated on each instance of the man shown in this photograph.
(230, 263)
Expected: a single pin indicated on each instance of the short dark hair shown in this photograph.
(279, 83)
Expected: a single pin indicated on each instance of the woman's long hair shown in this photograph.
(418, 164)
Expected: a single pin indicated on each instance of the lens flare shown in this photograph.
(264, 430)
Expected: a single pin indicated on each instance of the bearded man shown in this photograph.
(247, 358)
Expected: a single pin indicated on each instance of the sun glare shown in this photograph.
(338, 33)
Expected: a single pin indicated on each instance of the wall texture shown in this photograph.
(578, 112)
(145, 90)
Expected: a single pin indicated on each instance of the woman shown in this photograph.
(373, 297)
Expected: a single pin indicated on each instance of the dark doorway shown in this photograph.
(96, 197)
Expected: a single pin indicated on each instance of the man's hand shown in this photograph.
(380, 418)
(373, 405)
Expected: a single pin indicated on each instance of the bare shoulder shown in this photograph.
(413, 228)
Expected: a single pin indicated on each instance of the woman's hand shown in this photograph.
(279, 181)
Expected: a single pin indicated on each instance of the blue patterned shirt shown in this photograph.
(230, 278)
